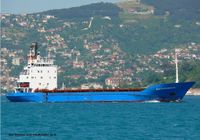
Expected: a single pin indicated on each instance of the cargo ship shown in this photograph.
(38, 83)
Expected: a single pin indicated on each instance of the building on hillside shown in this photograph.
(91, 86)
(16, 61)
(78, 64)
(113, 82)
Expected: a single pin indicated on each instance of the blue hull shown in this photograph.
(160, 92)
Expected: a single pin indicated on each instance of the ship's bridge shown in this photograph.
(41, 62)
(40, 73)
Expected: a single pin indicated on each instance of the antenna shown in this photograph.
(176, 62)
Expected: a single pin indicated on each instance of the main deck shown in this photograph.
(88, 90)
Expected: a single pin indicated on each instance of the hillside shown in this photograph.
(177, 9)
(130, 43)
(86, 12)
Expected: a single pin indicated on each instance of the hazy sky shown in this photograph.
(30, 6)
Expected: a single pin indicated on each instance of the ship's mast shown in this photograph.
(34, 48)
(176, 62)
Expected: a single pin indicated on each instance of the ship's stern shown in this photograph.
(26, 97)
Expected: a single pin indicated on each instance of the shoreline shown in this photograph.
(193, 92)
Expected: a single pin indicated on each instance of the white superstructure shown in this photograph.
(40, 73)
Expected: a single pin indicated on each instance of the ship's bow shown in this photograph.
(169, 92)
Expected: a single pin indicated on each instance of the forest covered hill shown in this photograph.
(86, 12)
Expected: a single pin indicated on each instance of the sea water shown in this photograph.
(101, 121)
